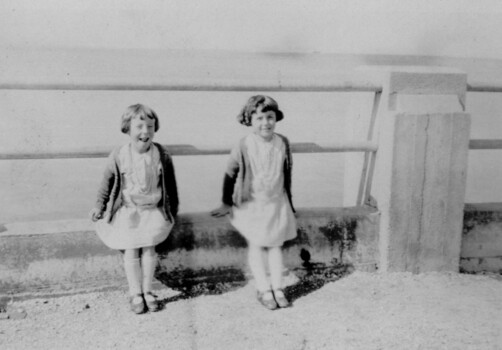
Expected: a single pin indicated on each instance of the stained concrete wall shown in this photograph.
(482, 238)
(59, 262)
(69, 261)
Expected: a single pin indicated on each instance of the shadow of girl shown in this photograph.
(315, 276)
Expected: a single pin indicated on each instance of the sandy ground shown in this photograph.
(359, 311)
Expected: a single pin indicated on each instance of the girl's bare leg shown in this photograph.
(276, 266)
(132, 267)
(257, 266)
(148, 265)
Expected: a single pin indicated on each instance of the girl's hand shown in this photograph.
(223, 210)
(95, 215)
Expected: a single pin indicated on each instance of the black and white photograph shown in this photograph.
(230, 174)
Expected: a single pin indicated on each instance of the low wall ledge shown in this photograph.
(84, 225)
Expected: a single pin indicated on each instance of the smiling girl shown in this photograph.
(137, 202)
(257, 194)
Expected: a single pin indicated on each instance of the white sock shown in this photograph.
(275, 266)
(148, 265)
(132, 269)
(257, 266)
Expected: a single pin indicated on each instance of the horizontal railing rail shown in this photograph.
(483, 87)
(224, 85)
(288, 86)
(485, 144)
(189, 150)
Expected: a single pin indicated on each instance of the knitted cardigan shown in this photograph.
(238, 177)
(109, 197)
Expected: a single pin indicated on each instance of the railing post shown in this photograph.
(421, 165)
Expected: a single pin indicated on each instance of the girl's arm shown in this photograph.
(228, 185)
(289, 174)
(228, 190)
(223, 210)
(104, 189)
(171, 187)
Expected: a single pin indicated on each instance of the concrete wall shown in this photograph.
(69, 261)
(482, 238)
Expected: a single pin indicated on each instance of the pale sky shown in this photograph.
(458, 28)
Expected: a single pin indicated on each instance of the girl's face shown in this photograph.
(263, 124)
(141, 133)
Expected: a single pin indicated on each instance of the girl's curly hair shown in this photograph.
(254, 103)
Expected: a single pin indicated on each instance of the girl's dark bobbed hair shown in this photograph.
(137, 111)
(254, 103)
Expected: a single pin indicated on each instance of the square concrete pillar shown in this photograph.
(421, 199)
(420, 169)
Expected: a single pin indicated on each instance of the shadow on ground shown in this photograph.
(313, 277)
(192, 284)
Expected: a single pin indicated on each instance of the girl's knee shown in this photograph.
(275, 250)
(254, 248)
(131, 253)
(149, 251)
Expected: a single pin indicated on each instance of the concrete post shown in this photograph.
(420, 172)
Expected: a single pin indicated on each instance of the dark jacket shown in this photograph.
(239, 177)
(110, 191)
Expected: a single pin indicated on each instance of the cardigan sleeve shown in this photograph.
(171, 187)
(288, 171)
(231, 176)
(233, 161)
(228, 189)
(172, 190)
(107, 183)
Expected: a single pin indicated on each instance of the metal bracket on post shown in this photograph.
(363, 195)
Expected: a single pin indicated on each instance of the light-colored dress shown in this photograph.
(266, 220)
(139, 222)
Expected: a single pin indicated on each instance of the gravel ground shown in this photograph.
(358, 311)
